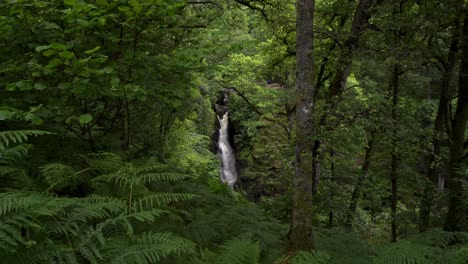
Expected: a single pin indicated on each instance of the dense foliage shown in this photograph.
(108, 126)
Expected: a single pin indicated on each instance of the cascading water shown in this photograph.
(228, 169)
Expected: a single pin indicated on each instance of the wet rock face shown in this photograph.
(221, 106)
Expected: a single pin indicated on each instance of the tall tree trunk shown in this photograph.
(395, 156)
(342, 72)
(332, 191)
(343, 68)
(433, 170)
(301, 234)
(316, 165)
(126, 127)
(456, 215)
(360, 182)
(440, 126)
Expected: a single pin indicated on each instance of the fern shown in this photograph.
(19, 210)
(343, 246)
(433, 246)
(105, 162)
(124, 219)
(59, 176)
(213, 217)
(15, 153)
(129, 177)
(18, 137)
(406, 252)
(158, 199)
(304, 257)
(19, 201)
(239, 250)
(440, 238)
(11, 173)
(150, 248)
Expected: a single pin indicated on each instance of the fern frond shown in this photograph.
(82, 211)
(24, 210)
(36, 253)
(58, 175)
(18, 201)
(15, 153)
(154, 168)
(461, 255)
(105, 162)
(117, 178)
(158, 199)
(97, 199)
(12, 174)
(99, 211)
(343, 246)
(14, 177)
(126, 177)
(406, 252)
(440, 238)
(239, 250)
(90, 243)
(18, 136)
(162, 176)
(146, 216)
(152, 248)
(305, 257)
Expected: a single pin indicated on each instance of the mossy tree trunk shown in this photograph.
(360, 182)
(395, 155)
(440, 127)
(456, 215)
(301, 234)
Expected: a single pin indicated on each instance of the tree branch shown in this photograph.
(256, 110)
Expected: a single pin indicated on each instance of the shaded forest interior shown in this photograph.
(347, 120)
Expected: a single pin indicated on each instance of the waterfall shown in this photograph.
(228, 169)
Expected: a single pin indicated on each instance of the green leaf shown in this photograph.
(58, 46)
(40, 86)
(35, 119)
(70, 2)
(64, 85)
(85, 119)
(68, 55)
(24, 85)
(136, 6)
(108, 70)
(93, 50)
(124, 9)
(69, 119)
(54, 63)
(115, 81)
(48, 25)
(6, 114)
(41, 48)
(48, 53)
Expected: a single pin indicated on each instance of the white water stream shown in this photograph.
(228, 169)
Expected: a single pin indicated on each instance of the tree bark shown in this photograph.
(332, 191)
(433, 170)
(342, 71)
(126, 127)
(362, 177)
(301, 233)
(343, 68)
(395, 156)
(440, 126)
(456, 215)
(316, 166)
